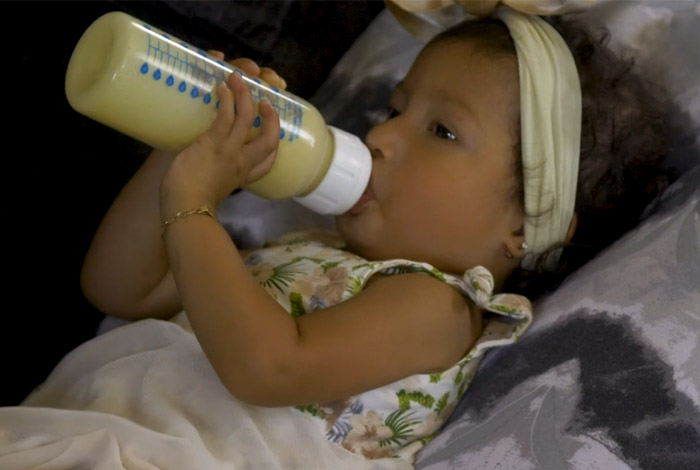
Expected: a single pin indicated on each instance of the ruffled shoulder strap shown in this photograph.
(477, 283)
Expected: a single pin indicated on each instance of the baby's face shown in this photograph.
(442, 176)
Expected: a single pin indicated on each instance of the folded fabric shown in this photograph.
(425, 18)
(144, 397)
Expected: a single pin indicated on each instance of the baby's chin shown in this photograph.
(343, 226)
(354, 236)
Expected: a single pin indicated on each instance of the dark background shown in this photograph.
(62, 170)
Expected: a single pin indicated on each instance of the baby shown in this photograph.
(504, 151)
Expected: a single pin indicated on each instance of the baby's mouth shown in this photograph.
(361, 203)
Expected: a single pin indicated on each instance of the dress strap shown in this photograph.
(479, 284)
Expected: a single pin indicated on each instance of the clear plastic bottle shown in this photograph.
(160, 90)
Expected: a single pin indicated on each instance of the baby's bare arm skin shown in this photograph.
(126, 271)
(126, 261)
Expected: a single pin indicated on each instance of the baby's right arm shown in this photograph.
(126, 271)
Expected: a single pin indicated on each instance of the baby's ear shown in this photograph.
(514, 244)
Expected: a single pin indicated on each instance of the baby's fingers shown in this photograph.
(248, 66)
(214, 53)
(261, 152)
(271, 77)
(244, 111)
(220, 128)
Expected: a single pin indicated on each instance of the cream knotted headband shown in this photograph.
(550, 110)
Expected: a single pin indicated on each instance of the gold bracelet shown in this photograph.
(186, 213)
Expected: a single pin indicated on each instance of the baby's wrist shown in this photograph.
(179, 215)
(173, 202)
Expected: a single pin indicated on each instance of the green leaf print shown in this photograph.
(468, 357)
(435, 377)
(405, 269)
(442, 403)
(405, 399)
(312, 410)
(460, 375)
(330, 265)
(313, 260)
(462, 389)
(295, 300)
(401, 427)
(363, 265)
(519, 330)
(408, 269)
(354, 285)
(504, 308)
(437, 274)
(282, 275)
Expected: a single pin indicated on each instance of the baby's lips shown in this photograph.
(366, 197)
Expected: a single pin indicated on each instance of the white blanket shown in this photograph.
(143, 396)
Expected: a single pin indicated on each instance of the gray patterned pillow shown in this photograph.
(607, 376)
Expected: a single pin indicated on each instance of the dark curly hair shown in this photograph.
(624, 145)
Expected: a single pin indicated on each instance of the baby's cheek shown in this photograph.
(428, 199)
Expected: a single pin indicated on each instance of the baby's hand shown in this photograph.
(251, 69)
(221, 161)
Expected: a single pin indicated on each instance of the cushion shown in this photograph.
(607, 376)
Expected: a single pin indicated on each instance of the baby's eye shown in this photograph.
(442, 132)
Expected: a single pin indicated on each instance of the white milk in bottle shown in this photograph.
(160, 90)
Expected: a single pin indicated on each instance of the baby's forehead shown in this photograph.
(457, 65)
(455, 78)
(461, 54)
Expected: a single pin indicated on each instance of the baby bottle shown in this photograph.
(160, 90)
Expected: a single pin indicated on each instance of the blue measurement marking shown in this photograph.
(159, 50)
(193, 71)
(167, 45)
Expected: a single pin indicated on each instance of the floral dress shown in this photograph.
(308, 271)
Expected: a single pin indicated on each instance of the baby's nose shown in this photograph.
(376, 153)
(382, 142)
